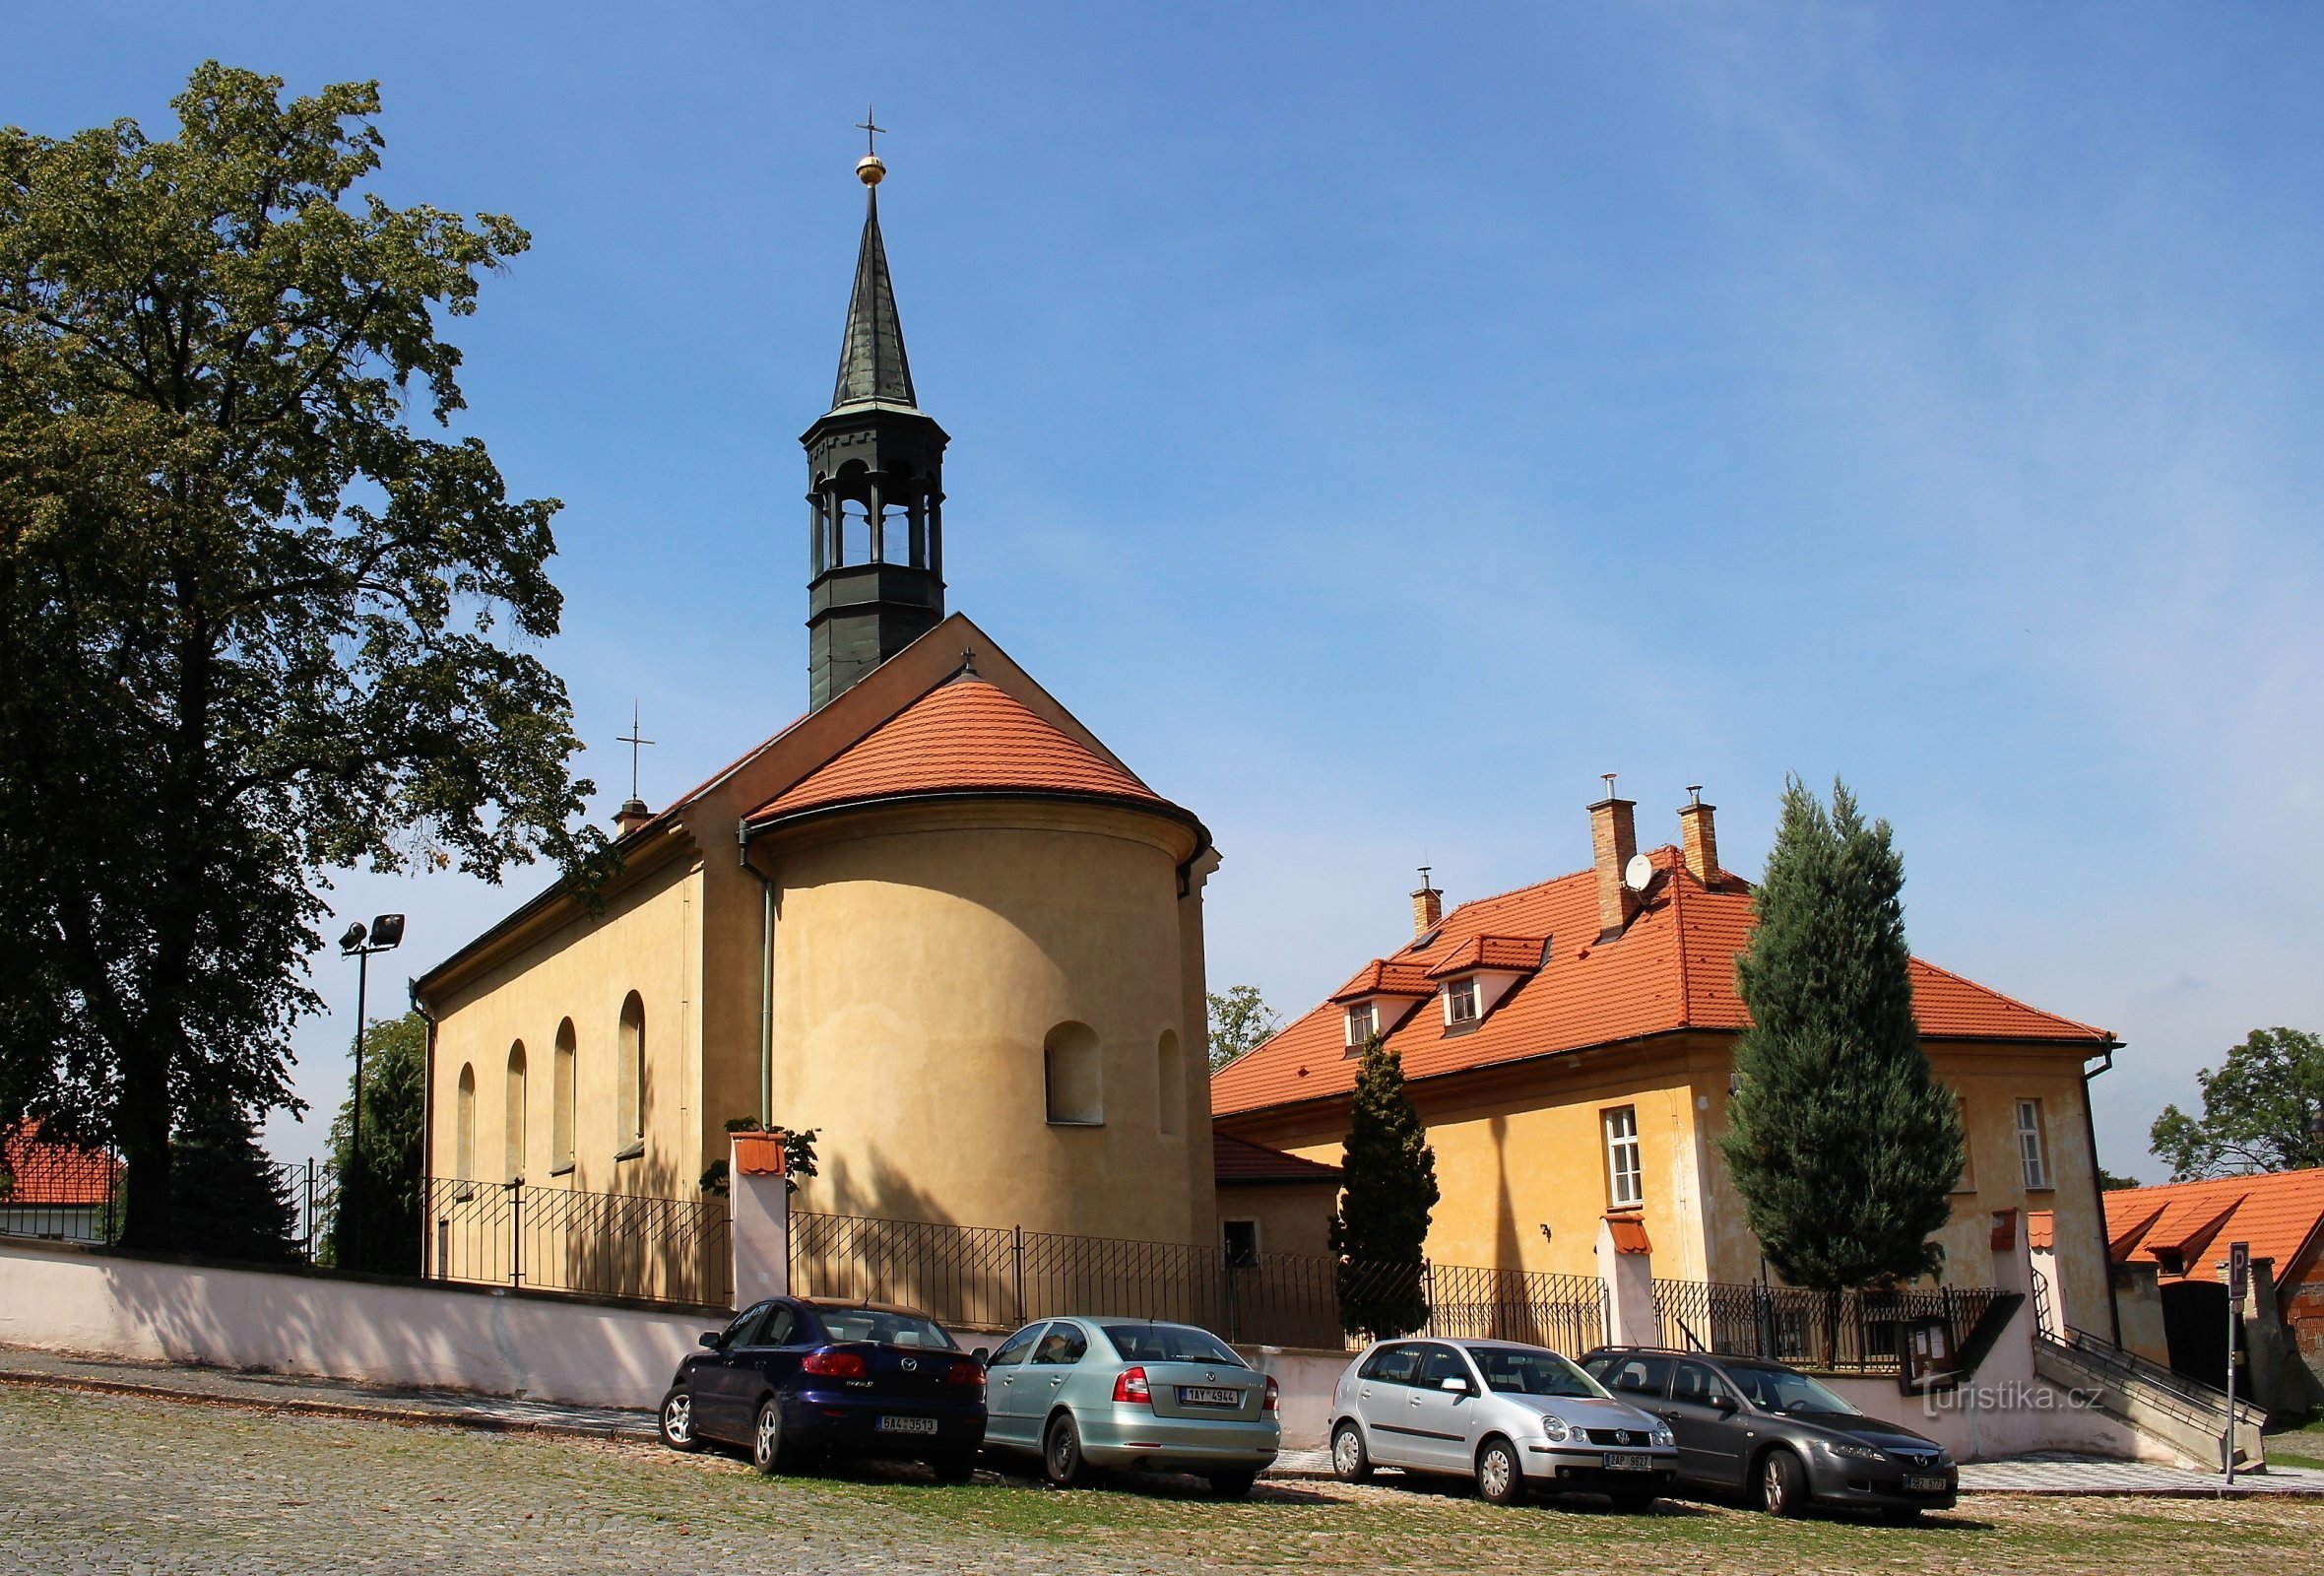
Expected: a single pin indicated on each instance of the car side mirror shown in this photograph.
(983, 1354)
(1455, 1385)
(1726, 1404)
(711, 1338)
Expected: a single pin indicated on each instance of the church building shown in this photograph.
(935, 918)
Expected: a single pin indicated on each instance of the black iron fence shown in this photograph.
(1850, 1331)
(562, 1239)
(311, 1189)
(996, 1277)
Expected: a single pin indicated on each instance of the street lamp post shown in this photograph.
(386, 934)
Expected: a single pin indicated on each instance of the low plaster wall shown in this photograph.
(1306, 1377)
(502, 1343)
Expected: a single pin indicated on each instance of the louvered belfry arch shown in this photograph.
(876, 495)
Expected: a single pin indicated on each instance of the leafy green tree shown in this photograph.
(2263, 1111)
(1844, 1147)
(255, 626)
(377, 1226)
(1389, 1189)
(1239, 1022)
(2110, 1183)
(231, 1201)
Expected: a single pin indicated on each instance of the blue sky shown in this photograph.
(1376, 423)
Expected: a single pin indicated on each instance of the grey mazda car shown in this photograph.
(1753, 1426)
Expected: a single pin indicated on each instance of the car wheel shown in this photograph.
(1232, 1484)
(677, 1422)
(1351, 1463)
(769, 1453)
(1062, 1460)
(1783, 1484)
(958, 1468)
(1501, 1479)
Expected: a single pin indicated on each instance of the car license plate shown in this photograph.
(1203, 1396)
(1616, 1462)
(905, 1425)
(1926, 1485)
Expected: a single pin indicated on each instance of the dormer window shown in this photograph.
(1460, 1001)
(1363, 1022)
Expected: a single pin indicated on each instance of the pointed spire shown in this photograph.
(871, 364)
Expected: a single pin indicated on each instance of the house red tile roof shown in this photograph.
(2190, 1224)
(962, 737)
(1523, 954)
(2042, 1230)
(1383, 979)
(1673, 968)
(33, 1174)
(1241, 1161)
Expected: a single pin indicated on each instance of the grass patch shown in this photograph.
(2298, 1447)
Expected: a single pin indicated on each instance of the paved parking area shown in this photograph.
(106, 1482)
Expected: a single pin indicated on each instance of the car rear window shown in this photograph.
(1169, 1343)
(888, 1328)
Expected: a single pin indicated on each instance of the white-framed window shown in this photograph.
(1240, 1239)
(1460, 1000)
(2032, 1155)
(1625, 1175)
(1363, 1022)
(1967, 1182)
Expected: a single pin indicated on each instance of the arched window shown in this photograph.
(561, 1097)
(512, 1126)
(1170, 1075)
(632, 1074)
(1070, 1071)
(464, 1127)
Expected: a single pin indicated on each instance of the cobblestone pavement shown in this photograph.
(101, 1481)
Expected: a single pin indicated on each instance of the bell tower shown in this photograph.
(876, 495)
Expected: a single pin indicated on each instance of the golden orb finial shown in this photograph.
(869, 170)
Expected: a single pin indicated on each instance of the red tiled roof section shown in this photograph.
(1241, 1161)
(33, 1174)
(1383, 979)
(2280, 1213)
(962, 737)
(1673, 968)
(1521, 954)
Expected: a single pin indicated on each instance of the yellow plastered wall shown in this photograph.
(1292, 1216)
(646, 942)
(922, 958)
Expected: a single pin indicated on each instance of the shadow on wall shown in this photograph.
(545, 1347)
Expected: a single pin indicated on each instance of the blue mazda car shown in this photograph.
(796, 1378)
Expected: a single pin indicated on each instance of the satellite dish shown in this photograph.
(1639, 873)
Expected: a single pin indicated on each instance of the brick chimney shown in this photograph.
(633, 814)
(1428, 907)
(1613, 839)
(1699, 837)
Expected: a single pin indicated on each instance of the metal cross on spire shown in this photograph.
(869, 131)
(633, 740)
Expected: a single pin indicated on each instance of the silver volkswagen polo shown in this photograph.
(1517, 1417)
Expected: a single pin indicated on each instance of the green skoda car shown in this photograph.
(1085, 1393)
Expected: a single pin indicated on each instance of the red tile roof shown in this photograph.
(2042, 1230)
(33, 1174)
(1383, 979)
(1241, 1161)
(1521, 954)
(962, 737)
(1673, 968)
(2280, 1213)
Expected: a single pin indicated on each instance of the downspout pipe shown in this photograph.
(766, 977)
(427, 1087)
(2098, 1189)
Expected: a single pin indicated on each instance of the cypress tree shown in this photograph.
(1390, 1186)
(1844, 1147)
(226, 1200)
